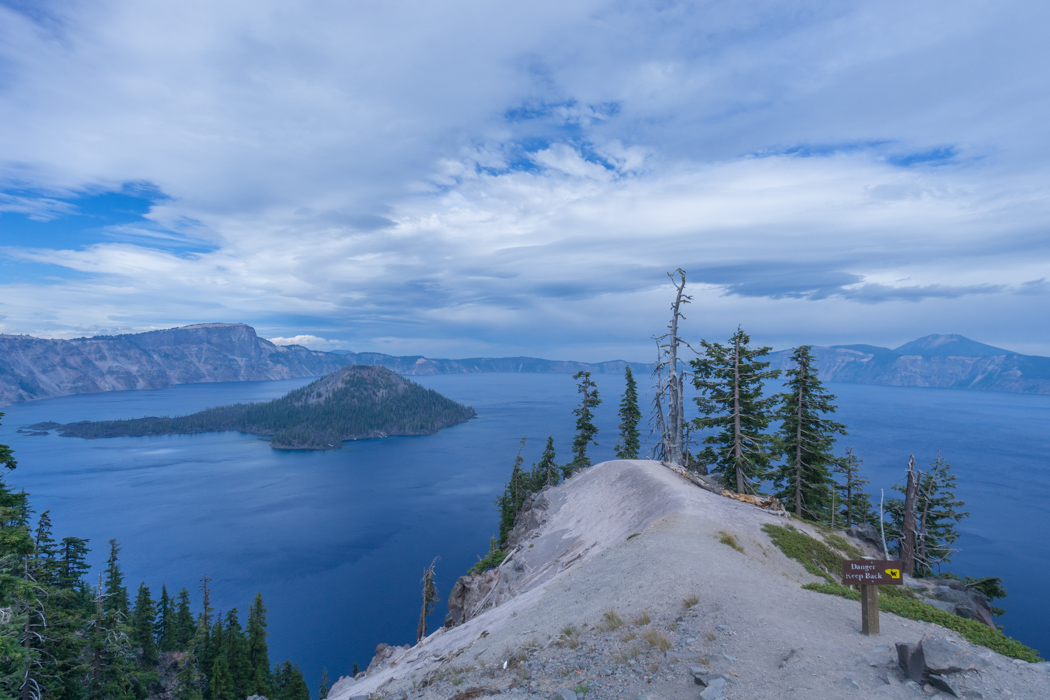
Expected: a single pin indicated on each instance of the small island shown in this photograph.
(353, 403)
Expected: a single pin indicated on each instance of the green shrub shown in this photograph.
(816, 557)
(904, 603)
(491, 560)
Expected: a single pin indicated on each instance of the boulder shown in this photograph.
(943, 685)
(941, 656)
(468, 594)
(911, 660)
(867, 533)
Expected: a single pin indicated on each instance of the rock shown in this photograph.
(705, 678)
(943, 685)
(467, 596)
(730, 659)
(942, 656)
(850, 683)
(563, 694)
(866, 533)
(256, 697)
(713, 689)
(791, 657)
(910, 658)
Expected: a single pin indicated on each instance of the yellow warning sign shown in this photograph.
(894, 573)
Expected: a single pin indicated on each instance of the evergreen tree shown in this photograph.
(45, 566)
(513, 497)
(288, 683)
(73, 564)
(116, 596)
(258, 651)
(938, 513)
(7, 457)
(629, 445)
(322, 690)
(183, 627)
(854, 504)
(235, 649)
(546, 472)
(729, 379)
(143, 622)
(805, 440)
(220, 681)
(163, 629)
(585, 428)
(430, 596)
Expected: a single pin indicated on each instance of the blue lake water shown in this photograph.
(337, 541)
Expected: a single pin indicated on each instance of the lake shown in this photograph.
(337, 541)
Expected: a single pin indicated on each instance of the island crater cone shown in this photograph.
(622, 584)
(355, 402)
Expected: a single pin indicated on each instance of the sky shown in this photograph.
(478, 178)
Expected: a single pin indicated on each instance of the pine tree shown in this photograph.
(546, 472)
(164, 627)
(116, 596)
(73, 564)
(322, 690)
(235, 649)
(629, 445)
(805, 440)
(258, 651)
(513, 497)
(729, 379)
(289, 684)
(585, 428)
(45, 566)
(938, 512)
(143, 621)
(183, 627)
(7, 457)
(854, 504)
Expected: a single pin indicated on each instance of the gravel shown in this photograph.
(752, 626)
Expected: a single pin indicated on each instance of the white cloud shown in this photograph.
(520, 177)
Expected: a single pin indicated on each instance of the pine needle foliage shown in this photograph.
(854, 504)
(733, 411)
(629, 445)
(805, 440)
(585, 427)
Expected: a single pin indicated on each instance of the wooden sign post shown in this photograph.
(869, 574)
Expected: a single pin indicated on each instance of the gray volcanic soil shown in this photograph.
(752, 622)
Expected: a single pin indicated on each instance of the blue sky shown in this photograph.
(477, 178)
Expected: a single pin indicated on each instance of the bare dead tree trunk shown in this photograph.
(672, 430)
(911, 493)
(430, 597)
(738, 439)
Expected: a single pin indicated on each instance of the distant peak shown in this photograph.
(951, 344)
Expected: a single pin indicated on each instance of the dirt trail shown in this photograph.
(751, 621)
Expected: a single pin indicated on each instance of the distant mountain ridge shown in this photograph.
(35, 368)
(38, 368)
(938, 361)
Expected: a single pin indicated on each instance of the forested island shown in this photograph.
(352, 403)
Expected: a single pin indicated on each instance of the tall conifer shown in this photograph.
(585, 428)
(729, 379)
(629, 444)
(258, 651)
(805, 440)
(143, 622)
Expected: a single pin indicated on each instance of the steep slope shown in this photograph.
(352, 403)
(633, 538)
(35, 368)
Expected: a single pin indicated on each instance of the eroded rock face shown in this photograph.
(953, 597)
(469, 596)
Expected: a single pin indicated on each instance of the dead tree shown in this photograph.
(430, 596)
(670, 374)
(908, 527)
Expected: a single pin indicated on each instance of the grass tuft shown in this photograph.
(656, 639)
(642, 619)
(728, 539)
(613, 621)
(690, 602)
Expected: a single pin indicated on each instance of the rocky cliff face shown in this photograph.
(940, 361)
(36, 368)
